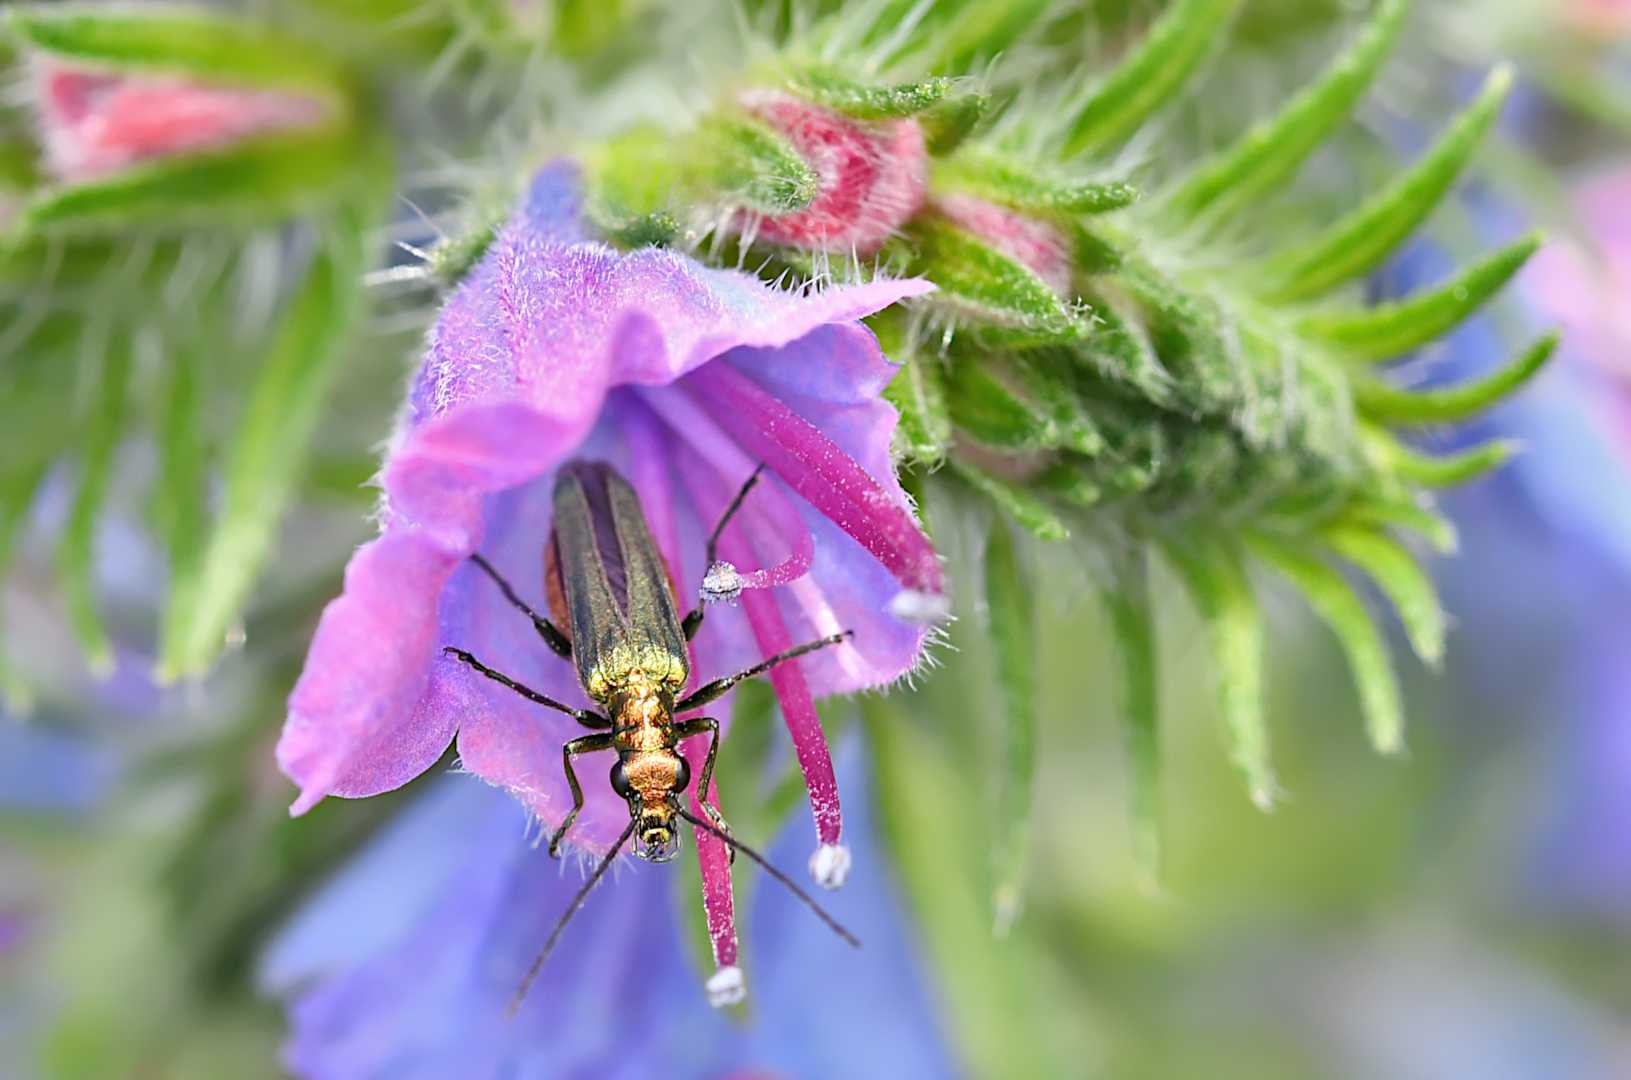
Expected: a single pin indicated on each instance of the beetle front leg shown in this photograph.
(586, 744)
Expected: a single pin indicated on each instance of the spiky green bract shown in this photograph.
(1271, 151)
(1360, 240)
(1017, 501)
(1393, 457)
(1008, 591)
(1389, 330)
(1380, 401)
(266, 461)
(1127, 596)
(1024, 187)
(1401, 578)
(1331, 597)
(1212, 570)
(1150, 75)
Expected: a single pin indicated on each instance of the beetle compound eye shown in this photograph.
(682, 775)
(620, 780)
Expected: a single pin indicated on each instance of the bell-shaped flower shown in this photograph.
(401, 967)
(686, 380)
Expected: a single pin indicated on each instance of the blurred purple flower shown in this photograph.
(401, 968)
(684, 379)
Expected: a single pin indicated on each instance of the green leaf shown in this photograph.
(979, 284)
(98, 440)
(1398, 460)
(918, 390)
(1376, 400)
(1406, 512)
(1128, 599)
(1013, 644)
(179, 41)
(1003, 180)
(1120, 351)
(1212, 570)
(262, 179)
(267, 459)
(1269, 153)
(1363, 237)
(1193, 336)
(1019, 503)
(1329, 595)
(865, 102)
(1390, 330)
(991, 411)
(1050, 387)
(947, 124)
(1401, 578)
(178, 509)
(1151, 74)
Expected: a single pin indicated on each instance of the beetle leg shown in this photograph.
(719, 687)
(547, 630)
(586, 717)
(706, 725)
(693, 622)
(583, 744)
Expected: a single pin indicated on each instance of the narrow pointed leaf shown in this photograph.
(1362, 238)
(918, 390)
(1269, 153)
(872, 102)
(1216, 580)
(1391, 330)
(1012, 183)
(1051, 389)
(979, 284)
(1406, 512)
(1438, 472)
(98, 441)
(1013, 644)
(1331, 598)
(1377, 400)
(1151, 74)
(178, 507)
(266, 462)
(1018, 502)
(1128, 600)
(1401, 577)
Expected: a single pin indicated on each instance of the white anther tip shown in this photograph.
(920, 608)
(721, 582)
(726, 987)
(830, 865)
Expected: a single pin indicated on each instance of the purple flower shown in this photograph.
(685, 379)
(402, 966)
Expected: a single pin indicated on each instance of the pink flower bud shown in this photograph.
(97, 122)
(1028, 241)
(871, 175)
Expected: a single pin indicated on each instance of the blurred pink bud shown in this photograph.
(96, 122)
(1034, 244)
(871, 175)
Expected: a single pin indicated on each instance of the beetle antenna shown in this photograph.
(572, 909)
(737, 845)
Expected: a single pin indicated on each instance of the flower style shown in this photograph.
(96, 123)
(870, 176)
(685, 380)
(401, 966)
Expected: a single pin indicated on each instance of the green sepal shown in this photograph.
(1012, 628)
(193, 42)
(1127, 596)
(1150, 75)
(1019, 405)
(1376, 400)
(1191, 336)
(1268, 154)
(1002, 180)
(1401, 577)
(732, 159)
(1334, 601)
(98, 440)
(1363, 237)
(1391, 330)
(1046, 379)
(948, 124)
(979, 284)
(918, 391)
(1067, 481)
(262, 179)
(1396, 459)
(1215, 576)
(266, 460)
(1120, 351)
(863, 102)
(1018, 502)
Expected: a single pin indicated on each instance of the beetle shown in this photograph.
(616, 618)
